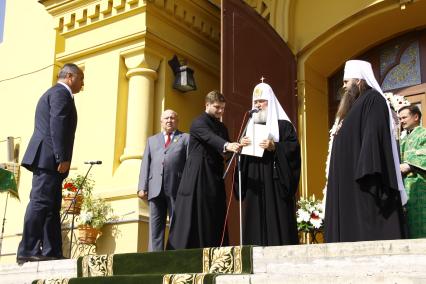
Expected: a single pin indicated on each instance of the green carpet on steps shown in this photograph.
(137, 279)
(191, 266)
(213, 260)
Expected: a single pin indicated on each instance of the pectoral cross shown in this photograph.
(263, 78)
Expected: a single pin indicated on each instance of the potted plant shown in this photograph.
(70, 193)
(310, 218)
(95, 212)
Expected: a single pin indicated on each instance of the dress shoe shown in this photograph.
(22, 259)
(46, 258)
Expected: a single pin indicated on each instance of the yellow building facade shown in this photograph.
(124, 46)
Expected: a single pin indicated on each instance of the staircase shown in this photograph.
(398, 261)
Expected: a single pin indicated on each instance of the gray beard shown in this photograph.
(260, 117)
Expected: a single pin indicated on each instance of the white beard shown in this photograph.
(260, 116)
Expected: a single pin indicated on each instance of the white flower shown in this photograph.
(303, 215)
(86, 217)
(396, 101)
(316, 222)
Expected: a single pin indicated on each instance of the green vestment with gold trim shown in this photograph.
(413, 152)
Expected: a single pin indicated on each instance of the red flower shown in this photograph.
(314, 216)
(68, 185)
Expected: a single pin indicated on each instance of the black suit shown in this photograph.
(51, 143)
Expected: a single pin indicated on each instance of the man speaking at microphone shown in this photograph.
(48, 156)
(269, 181)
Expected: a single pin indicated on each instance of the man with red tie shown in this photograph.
(162, 165)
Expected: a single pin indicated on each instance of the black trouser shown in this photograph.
(42, 225)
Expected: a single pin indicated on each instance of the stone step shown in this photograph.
(397, 261)
(29, 271)
(310, 279)
(363, 254)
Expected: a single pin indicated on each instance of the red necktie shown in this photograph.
(167, 141)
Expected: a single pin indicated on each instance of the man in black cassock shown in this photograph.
(201, 199)
(364, 191)
(269, 182)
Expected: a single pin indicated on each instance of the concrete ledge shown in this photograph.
(29, 271)
(310, 279)
(397, 261)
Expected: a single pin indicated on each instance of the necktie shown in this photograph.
(168, 140)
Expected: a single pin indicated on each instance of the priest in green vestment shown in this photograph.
(413, 169)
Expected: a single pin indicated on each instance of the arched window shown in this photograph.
(398, 64)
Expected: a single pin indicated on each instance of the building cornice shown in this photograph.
(73, 16)
(201, 17)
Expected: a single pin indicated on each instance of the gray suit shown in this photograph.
(160, 174)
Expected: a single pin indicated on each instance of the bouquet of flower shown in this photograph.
(95, 212)
(71, 185)
(310, 215)
(396, 101)
(69, 190)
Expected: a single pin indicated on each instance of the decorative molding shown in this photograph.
(73, 15)
(70, 16)
(53, 281)
(194, 14)
(265, 8)
(97, 265)
(222, 260)
(66, 56)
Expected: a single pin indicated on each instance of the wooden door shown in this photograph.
(251, 49)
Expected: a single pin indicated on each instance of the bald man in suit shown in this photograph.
(161, 170)
(48, 156)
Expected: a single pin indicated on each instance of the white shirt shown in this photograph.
(171, 136)
(68, 88)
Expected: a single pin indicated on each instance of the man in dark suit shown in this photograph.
(48, 156)
(201, 199)
(161, 170)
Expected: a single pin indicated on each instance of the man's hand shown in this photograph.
(143, 194)
(63, 167)
(245, 141)
(233, 147)
(267, 144)
(405, 168)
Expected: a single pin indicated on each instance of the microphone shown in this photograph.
(250, 112)
(93, 162)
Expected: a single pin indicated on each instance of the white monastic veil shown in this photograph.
(263, 91)
(358, 69)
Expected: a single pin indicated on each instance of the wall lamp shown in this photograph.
(403, 3)
(184, 76)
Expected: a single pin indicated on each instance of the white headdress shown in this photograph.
(263, 91)
(358, 69)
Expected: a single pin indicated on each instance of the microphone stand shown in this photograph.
(235, 154)
(79, 188)
(239, 178)
(4, 222)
